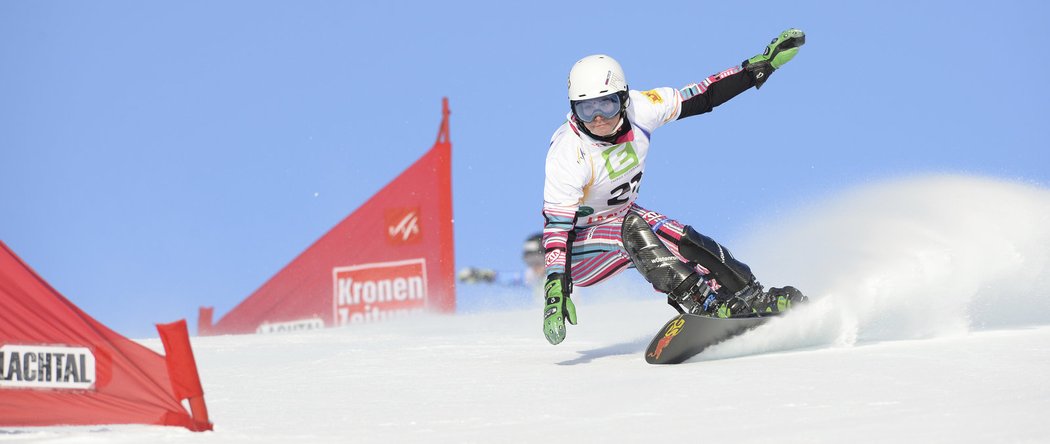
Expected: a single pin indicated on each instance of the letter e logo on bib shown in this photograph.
(620, 159)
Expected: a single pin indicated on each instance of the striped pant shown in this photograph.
(598, 253)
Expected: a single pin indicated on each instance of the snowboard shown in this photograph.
(686, 335)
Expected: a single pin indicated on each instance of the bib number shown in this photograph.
(622, 194)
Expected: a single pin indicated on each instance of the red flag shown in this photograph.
(60, 366)
(182, 369)
(204, 320)
(393, 255)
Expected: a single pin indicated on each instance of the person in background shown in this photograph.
(530, 277)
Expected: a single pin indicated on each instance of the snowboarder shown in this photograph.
(593, 227)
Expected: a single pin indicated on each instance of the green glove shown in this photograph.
(781, 50)
(559, 307)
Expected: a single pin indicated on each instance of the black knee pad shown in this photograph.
(653, 259)
(730, 273)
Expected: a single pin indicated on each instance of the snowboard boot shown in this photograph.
(778, 300)
(753, 301)
(731, 307)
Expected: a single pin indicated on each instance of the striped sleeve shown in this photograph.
(699, 98)
(567, 174)
(558, 223)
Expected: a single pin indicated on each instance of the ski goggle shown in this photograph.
(605, 106)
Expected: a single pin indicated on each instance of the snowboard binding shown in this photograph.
(752, 301)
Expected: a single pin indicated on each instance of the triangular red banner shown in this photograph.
(59, 366)
(391, 256)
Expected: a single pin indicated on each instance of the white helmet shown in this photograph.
(595, 76)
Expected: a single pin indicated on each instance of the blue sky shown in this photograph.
(158, 156)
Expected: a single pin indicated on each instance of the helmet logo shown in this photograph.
(614, 80)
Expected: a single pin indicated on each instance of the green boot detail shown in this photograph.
(753, 300)
(733, 307)
(778, 300)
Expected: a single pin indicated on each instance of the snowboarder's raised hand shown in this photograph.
(780, 51)
(559, 307)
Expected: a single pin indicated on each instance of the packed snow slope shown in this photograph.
(930, 322)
